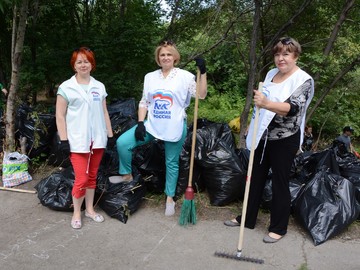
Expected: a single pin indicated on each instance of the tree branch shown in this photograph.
(340, 75)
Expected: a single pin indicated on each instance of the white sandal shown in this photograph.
(95, 217)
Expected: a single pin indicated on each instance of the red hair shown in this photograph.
(89, 54)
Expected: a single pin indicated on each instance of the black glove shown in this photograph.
(64, 147)
(111, 142)
(140, 131)
(200, 62)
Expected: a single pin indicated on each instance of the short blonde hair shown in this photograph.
(171, 47)
(290, 45)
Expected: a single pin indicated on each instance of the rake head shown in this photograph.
(238, 257)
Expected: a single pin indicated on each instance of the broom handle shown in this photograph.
(248, 176)
(194, 128)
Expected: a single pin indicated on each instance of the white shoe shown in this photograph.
(116, 179)
(170, 209)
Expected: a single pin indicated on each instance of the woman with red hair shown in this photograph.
(84, 129)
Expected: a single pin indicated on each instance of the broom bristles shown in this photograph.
(188, 213)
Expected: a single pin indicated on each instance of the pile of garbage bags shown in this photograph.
(324, 186)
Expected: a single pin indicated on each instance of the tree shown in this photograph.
(18, 30)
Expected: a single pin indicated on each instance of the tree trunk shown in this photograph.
(19, 27)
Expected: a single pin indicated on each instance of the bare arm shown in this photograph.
(142, 113)
(107, 120)
(61, 108)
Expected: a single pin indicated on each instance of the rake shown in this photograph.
(238, 255)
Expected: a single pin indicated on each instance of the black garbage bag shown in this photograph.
(222, 175)
(120, 124)
(350, 169)
(326, 206)
(54, 191)
(149, 159)
(121, 200)
(217, 167)
(109, 163)
(222, 172)
(123, 107)
(37, 128)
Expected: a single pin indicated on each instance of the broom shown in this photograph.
(238, 255)
(188, 210)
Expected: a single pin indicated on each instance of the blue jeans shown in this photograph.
(127, 142)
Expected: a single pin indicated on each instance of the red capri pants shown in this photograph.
(86, 166)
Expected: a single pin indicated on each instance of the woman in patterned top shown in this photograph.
(287, 92)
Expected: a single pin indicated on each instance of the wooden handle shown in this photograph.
(193, 143)
(248, 175)
(18, 190)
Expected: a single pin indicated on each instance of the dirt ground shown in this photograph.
(205, 211)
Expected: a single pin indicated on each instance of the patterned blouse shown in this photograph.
(284, 126)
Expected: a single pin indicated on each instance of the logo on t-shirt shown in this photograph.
(162, 104)
(96, 96)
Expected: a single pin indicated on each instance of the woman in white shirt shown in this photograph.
(166, 94)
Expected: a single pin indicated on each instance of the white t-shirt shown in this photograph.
(166, 100)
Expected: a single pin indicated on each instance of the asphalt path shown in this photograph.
(34, 237)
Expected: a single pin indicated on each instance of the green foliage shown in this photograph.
(218, 108)
(123, 38)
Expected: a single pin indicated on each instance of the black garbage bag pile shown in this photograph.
(218, 167)
(120, 200)
(149, 159)
(117, 200)
(54, 191)
(326, 205)
(37, 128)
(324, 190)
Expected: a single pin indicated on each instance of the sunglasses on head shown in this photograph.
(167, 42)
(286, 41)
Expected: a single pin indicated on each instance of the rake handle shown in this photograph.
(248, 176)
